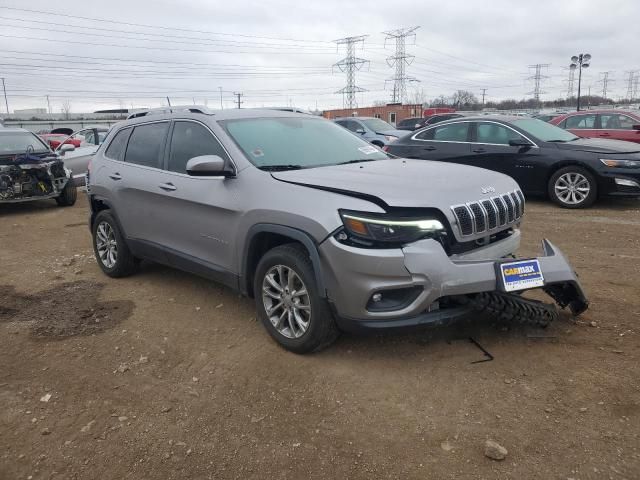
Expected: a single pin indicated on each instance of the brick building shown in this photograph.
(391, 113)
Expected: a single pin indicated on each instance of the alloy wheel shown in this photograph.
(572, 188)
(106, 244)
(286, 301)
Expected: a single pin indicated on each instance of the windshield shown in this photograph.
(19, 142)
(544, 131)
(378, 125)
(298, 142)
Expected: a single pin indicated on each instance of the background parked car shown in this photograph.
(547, 117)
(56, 139)
(541, 157)
(613, 124)
(417, 123)
(88, 140)
(373, 130)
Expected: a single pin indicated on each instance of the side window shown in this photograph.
(115, 150)
(494, 133)
(615, 121)
(146, 144)
(452, 132)
(350, 125)
(89, 138)
(580, 122)
(190, 139)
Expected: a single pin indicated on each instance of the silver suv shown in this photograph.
(325, 231)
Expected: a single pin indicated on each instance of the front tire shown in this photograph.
(288, 302)
(111, 251)
(68, 196)
(573, 187)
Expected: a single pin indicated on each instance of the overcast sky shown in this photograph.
(135, 53)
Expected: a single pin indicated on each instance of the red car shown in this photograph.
(54, 139)
(613, 124)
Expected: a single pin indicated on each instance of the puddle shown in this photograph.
(66, 310)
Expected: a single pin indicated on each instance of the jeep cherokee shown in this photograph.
(325, 231)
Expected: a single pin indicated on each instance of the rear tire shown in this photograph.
(111, 251)
(304, 322)
(69, 195)
(573, 187)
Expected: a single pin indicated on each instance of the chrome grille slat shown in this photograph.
(486, 215)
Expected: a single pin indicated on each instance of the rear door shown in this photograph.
(448, 142)
(138, 186)
(618, 127)
(199, 212)
(582, 125)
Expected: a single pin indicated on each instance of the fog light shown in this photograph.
(376, 297)
(625, 182)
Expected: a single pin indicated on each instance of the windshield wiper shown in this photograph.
(280, 168)
(558, 141)
(359, 160)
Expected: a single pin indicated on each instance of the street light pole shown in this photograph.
(580, 61)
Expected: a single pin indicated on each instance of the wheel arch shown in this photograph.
(263, 237)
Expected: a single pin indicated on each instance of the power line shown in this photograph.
(400, 60)
(350, 64)
(159, 27)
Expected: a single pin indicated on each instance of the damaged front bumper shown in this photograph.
(354, 276)
(33, 181)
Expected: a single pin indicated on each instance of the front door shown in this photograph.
(491, 150)
(582, 125)
(618, 126)
(200, 212)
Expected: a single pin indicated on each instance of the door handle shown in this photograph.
(169, 187)
(115, 176)
(429, 148)
(479, 150)
(605, 134)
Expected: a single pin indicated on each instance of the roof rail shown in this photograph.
(172, 109)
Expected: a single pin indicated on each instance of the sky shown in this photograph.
(132, 54)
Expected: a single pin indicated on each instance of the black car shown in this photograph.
(418, 122)
(541, 157)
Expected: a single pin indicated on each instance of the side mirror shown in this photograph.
(520, 142)
(361, 131)
(207, 166)
(66, 147)
(636, 127)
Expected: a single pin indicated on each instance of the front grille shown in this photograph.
(465, 221)
(489, 214)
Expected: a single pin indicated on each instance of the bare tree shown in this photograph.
(418, 97)
(464, 99)
(66, 109)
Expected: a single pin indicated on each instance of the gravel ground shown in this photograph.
(165, 375)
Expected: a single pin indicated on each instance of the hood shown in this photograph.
(394, 133)
(600, 145)
(405, 183)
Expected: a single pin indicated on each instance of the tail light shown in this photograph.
(385, 148)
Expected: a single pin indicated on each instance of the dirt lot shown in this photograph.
(164, 375)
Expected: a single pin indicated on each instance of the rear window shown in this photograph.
(146, 144)
(116, 148)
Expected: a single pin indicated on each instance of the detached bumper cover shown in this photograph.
(353, 275)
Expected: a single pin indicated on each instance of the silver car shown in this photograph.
(77, 158)
(323, 230)
(373, 130)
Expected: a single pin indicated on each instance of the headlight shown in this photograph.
(390, 138)
(369, 229)
(621, 163)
